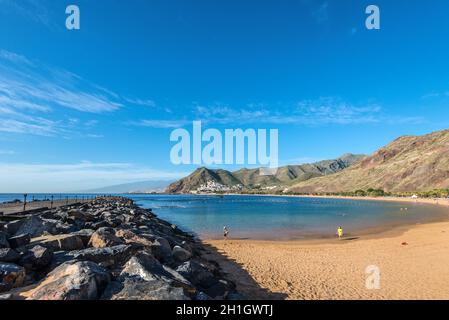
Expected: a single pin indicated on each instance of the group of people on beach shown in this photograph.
(340, 232)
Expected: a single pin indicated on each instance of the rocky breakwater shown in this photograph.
(108, 248)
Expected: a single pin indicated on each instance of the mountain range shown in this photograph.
(252, 179)
(408, 164)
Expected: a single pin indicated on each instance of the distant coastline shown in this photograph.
(436, 201)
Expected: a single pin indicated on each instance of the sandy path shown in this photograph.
(10, 208)
(336, 269)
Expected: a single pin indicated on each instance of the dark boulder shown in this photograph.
(104, 237)
(181, 254)
(36, 226)
(11, 276)
(134, 288)
(36, 258)
(145, 266)
(75, 280)
(110, 256)
(12, 227)
(97, 225)
(196, 273)
(131, 237)
(85, 235)
(161, 250)
(19, 240)
(65, 242)
(3, 240)
(9, 255)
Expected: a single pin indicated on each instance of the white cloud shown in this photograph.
(321, 111)
(39, 127)
(327, 110)
(162, 124)
(34, 10)
(331, 110)
(32, 92)
(436, 94)
(7, 152)
(75, 176)
(321, 14)
(95, 136)
(14, 57)
(140, 102)
(39, 88)
(299, 161)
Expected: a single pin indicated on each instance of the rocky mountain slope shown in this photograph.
(250, 178)
(410, 163)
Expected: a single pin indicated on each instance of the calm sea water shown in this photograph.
(263, 217)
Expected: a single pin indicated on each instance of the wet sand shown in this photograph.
(413, 264)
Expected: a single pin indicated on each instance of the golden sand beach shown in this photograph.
(413, 264)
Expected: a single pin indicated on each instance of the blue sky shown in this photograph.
(93, 107)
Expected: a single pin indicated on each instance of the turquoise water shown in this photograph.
(264, 217)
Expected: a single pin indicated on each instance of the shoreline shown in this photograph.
(379, 231)
(337, 269)
(435, 201)
(317, 269)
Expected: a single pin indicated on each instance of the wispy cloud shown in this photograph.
(75, 176)
(14, 57)
(32, 10)
(307, 112)
(436, 94)
(41, 128)
(322, 111)
(7, 152)
(299, 160)
(161, 124)
(37, 86)
(331, 110)
(32, 92)
(141, 102)
(321, 14)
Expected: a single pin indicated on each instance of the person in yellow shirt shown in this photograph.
(340, 232)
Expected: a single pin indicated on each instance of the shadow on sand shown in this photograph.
(350, 238)
(235, 272)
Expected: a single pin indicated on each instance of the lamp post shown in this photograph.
(25, 201)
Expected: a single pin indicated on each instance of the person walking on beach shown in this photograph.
(225, 232)
(340, 232)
